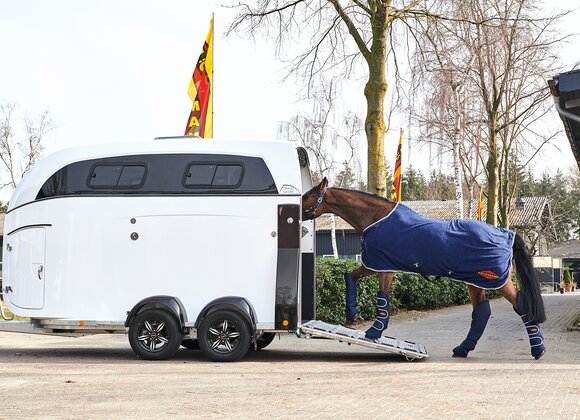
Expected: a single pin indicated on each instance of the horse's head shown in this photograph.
(312, 200)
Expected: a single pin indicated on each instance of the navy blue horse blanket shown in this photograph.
(466, 250)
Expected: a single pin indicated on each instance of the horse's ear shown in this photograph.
(324, 183)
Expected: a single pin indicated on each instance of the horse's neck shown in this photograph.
(357, 208)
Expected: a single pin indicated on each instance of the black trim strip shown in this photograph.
(286, 308)
(153, 195)
(29, 227)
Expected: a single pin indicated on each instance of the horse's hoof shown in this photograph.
(460, 352)
(357, 318)
(540, 355)
(373, 334)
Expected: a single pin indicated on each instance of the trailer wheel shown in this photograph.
(264, 340)
(154, 334)
(224, 336)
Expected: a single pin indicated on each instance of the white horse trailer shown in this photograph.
(175, 242)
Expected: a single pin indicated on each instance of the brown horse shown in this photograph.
(392, 242)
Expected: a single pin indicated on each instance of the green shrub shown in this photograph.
(567, 276)
(409, 291)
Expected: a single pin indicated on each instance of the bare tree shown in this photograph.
(19, 153)
(336, 34)
(507, 43)
(323, 140)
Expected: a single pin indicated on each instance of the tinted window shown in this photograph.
(228, 175)
(200, 175)
(131, 176)
(116, 176)
(214, 175)
(105, 176)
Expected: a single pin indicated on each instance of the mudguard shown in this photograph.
(231, 303)
(169, 303)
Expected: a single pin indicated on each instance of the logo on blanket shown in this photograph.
(488, 274)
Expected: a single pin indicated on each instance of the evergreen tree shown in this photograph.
(440, 187)
(414, 185)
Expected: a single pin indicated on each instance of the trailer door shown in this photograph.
(27, 267)
(308, 247)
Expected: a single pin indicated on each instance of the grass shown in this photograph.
(10, 314)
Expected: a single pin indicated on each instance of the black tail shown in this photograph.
(534, 305)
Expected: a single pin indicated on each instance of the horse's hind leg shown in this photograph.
(479, 317)
(533, 329)
(352, 313)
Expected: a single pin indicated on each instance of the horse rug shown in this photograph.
(465, 250)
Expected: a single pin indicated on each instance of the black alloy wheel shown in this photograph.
(154, 334)
(224, 336)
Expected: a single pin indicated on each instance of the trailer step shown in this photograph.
(389, 344)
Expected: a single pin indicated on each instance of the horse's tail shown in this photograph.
(529, 284)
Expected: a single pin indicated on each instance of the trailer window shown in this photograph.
(116, 176)
(213, 175)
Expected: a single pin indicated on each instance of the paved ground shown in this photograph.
(98, 376)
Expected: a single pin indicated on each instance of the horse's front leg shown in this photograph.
(479, 317)
(383, 307)
(352, 313)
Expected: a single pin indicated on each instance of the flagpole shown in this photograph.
(212, 67)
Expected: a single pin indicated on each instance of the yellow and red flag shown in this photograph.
(396, 188)
(480, 205)
(200, 121)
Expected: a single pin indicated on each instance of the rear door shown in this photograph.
(26, 271)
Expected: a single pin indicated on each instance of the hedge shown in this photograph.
(409, 291)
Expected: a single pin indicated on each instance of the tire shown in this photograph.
(154, 334)
(190, 343)
(224, 336)
(264, 340)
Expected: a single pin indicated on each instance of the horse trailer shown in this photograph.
(173, 242)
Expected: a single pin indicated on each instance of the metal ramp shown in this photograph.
(389, 344)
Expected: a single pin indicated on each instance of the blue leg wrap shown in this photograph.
(534, 334)
(479, 318)
(383, 315)
(351, 304)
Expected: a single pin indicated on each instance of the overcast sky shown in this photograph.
(111, 71)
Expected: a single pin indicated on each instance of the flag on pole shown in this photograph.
(396, 188)
(200, 121)
(480, 205)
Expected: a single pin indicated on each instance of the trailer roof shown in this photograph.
(280, 157)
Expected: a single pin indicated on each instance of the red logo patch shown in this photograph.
(488, 274)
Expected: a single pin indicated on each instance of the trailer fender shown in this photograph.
(232, 303)
(169, 303)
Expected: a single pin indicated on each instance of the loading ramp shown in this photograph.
(348, 335)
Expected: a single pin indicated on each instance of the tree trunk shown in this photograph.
(375, 91)
(492, 179)
(333, 236)
(456, 162)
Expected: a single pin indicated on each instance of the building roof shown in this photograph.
(525, 212)
(568, 249)
(566, 90)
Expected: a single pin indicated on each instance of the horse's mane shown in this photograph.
(365, 193)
